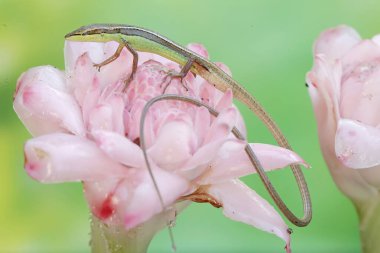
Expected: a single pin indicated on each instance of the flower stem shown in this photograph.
(115, 239)
(369, 215)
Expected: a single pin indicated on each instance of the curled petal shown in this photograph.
(100, 118)
(233, 162)
(97, 53)
(119, 148)
(83, 82)
(357, 145)
(202, 121)
(242, 204)
(376, 39)
(364, 52)
(324, 88)
(199, 162)
(240, 124)
(101, 198)
(217, 135)
(74, 50)
(174, 145)
(360, 90)
(221, 127)
(108, 116)
(62, 157)
(225, 102)
(171, 187)
(335, 42)
(42, 103)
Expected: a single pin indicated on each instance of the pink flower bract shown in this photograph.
(344, 88)
(86, 129)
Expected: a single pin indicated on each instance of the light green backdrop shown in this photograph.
(267, 45)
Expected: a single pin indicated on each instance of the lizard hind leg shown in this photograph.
(181, 75)
(110, 59)
(135, 62)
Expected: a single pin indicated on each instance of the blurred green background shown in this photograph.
(267, 45)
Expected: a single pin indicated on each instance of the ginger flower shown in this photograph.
(345, 92)
(85, 128)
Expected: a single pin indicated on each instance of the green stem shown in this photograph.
(115, 239)
(369, 215)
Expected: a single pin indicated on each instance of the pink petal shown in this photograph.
(97, 53)
(133, 129)
(351, 182)
(366, 51)
(221, 127)
(233, 162)
(62, 157)
(171, 187)
(357, 145)
(117, 104)
(376, 39)
(174, 145)
(225, 102)
(146, 57)
(101, 198)
(43, 104)
(201, 123)
(199, 162)
(360, 89)
(335, 42)
(116, 201)
(240, 124)
(74, 50)
(107, 115)
(100, 118)
(242, 204)
(120, 148)
(217, 135)
(324, 88)
(357, 184)
(82, 80)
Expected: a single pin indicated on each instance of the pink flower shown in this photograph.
(86, 129)
(344, 88)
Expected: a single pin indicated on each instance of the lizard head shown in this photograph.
(94, 33)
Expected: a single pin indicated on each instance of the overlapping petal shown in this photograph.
(44, 105)
(233, 162)
(60, 157)
(336, 42)
(357, 145)
(242, 204)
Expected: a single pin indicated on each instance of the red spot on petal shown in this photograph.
(26, 95)
(352, 133)
(29, 167)
(107, 208)
(82, 60)
(95, 82)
